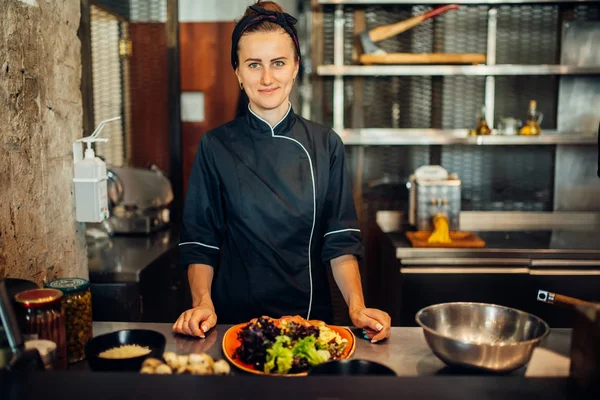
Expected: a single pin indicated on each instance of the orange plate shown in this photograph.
(231, 342)
(459, 239)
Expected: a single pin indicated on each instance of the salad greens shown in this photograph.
(281, 355)
(291, 347)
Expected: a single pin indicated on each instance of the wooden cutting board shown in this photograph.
(423, 58)
(459, 240)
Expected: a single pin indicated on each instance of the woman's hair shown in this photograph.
(266, 26)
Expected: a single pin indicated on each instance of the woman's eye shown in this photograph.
(279, 63)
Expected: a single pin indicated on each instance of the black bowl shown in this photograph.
(143, 337)
(351, 367)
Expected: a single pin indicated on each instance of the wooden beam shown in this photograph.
(174, 107)
(87, 86)
(360, 25)
(316, 45)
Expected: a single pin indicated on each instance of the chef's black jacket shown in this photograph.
(268, 208)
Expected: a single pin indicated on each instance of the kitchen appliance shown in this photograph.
(139, 200)
(433, 191)
(585, 342)
(482, 336)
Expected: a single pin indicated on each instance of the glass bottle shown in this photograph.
(482, 127)
(41, 316)
(534, 119)
(77, 303)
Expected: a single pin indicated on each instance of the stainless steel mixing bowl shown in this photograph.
(483, 336)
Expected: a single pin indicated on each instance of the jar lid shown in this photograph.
(38, 297)
(69, 285)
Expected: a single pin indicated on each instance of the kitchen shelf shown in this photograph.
(386, 136)
(462, 2)
(448, 70)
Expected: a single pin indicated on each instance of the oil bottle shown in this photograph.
(534, 119)
(482, 127)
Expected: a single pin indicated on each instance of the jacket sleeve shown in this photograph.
(203, 221)
(341, 231)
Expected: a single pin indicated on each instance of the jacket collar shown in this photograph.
(259, 125)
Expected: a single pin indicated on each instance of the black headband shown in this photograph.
(284, 20)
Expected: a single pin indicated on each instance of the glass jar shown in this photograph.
(41, 316)
(77, 303)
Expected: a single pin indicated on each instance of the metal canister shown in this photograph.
(41, 316)
(77, 304)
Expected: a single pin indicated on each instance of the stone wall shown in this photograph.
(40, 117)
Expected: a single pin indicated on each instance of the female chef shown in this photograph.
(269, 204)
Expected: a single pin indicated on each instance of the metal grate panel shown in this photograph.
(386, 171)
(462, 31)
(514, 93)
(400, 161)
(527, 34)
(116, 7)
(397, 102)
(148, 10)
(507, 178)
(494, 178)
(463, 97)
(587, 12)
(114, 87)
(107, 81)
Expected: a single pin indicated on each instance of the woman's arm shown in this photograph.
(198, 320)
(200, 277)
(347, 276)
(200, 239)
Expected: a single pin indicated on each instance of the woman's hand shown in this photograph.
(196, 321)
(374, 322)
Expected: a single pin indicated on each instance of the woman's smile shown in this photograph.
(267, 91)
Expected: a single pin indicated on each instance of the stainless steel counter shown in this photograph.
(511, 239)
(121, 259)
(406, 351)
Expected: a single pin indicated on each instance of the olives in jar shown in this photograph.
(77, 304)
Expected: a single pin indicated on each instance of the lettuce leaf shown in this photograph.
(279, 356)
(307, 348)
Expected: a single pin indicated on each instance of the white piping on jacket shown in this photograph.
(312, 174)
(341, 230)
(200, 244)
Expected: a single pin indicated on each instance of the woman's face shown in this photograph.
(267, 68)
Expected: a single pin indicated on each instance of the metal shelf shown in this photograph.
(465, 2)
(386, 137)
(447, 70)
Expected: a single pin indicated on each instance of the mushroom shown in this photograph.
(203, 360)
(199, 369)
(171, 359)
(221, 368)
(151, 362)
(183, 361)
(182, 369)
(147, 370)
(163, 369)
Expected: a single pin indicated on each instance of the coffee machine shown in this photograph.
(138, 200)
